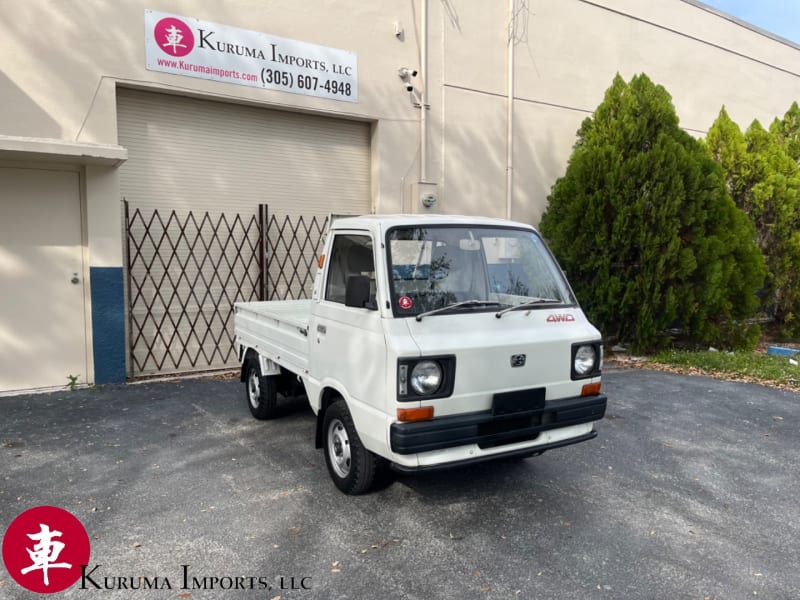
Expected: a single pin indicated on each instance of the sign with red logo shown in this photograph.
(405, 303)
(44, 549)
(561, 318)
(194, 48)
(174, 36)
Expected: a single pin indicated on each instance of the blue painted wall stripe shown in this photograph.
(108, 324)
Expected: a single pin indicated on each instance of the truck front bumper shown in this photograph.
(489, 431)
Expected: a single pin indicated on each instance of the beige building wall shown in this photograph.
(566, 54)
(63, 85)
(63, 62)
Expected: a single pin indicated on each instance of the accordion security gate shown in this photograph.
(185, 271)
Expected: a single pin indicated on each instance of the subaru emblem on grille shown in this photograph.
(517, 360)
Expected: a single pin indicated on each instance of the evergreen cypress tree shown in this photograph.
(643, 224)
(788, 131)
(764, 181)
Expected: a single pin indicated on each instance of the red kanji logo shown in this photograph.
(44, 549)
(174, 36)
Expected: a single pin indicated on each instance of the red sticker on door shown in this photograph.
(405, 302)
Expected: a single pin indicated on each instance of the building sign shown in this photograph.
(195, 48)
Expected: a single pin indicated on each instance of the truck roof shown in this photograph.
(384, 222)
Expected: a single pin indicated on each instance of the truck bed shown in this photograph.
(277, 329)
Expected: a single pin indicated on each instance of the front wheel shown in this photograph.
(261, 392)
(352, 467)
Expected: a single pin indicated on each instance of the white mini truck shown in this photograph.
(428, 342)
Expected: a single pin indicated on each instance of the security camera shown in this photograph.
(405, 72)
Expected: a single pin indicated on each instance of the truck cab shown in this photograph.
(428, 342)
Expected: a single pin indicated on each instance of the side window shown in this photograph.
(350, 255)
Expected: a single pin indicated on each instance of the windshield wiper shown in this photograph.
(533, 302)
(458, 305)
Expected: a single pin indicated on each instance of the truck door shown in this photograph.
(348, 342)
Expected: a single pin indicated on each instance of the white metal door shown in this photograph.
(42, 311)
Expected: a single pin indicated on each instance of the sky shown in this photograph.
(781, 17)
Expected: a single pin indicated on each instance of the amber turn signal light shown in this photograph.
(321, 260)
(415, 414)
(590, 389)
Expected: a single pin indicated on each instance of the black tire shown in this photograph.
(261, 392)
(352, 467)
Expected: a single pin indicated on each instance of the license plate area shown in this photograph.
(518, 402)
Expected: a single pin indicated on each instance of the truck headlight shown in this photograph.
(426, 377)
(586, 360)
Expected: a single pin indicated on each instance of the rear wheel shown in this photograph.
(261, 392)
(352, 467)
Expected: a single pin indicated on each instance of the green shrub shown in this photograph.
(764, 181)
(646, 231)
(787, 131)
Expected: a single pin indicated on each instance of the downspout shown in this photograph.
(510, 108)
(423, 115)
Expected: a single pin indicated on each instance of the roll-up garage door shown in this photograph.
(190, 154)
(212, 164)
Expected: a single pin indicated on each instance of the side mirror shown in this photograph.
(357, 292)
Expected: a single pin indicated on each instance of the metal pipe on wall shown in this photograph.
(423, 115)
(510, 108)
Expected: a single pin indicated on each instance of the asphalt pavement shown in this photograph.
(691, 490)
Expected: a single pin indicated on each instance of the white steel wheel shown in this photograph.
(339, 448)
(253, 389)
(352, 467)
(261, 392)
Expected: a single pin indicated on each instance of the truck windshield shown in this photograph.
(433, 267)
